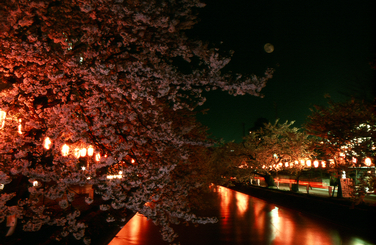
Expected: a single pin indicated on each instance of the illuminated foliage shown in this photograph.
(102, 81)
(277, 147)
(347, 131)
(271, 148)
(347, 134)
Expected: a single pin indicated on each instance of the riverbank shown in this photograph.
(340, 211)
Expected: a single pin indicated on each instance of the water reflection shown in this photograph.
(241, 202)
(243, 220)
(274, 218)
(132, 233)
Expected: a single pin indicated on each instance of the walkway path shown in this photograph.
(323, 192)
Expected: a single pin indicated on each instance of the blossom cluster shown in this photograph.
(103, 73)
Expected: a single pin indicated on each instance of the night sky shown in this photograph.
(321, 47)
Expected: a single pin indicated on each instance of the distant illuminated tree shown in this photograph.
(272, 148)
(347, 133)
(93, 95)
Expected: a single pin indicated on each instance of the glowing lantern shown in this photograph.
(286, 164)
(83, 168)
(331, 162)
(302, 162)
(3, 114)
(343, 175)
(296, 162)
(368, 162)
(90, 151)
(19, 126)
(77, 153)
(316, 164)
(133, 161)
(35, 183)
(309, 163)
(65, 150)
(263, 166)
(323, 164)
(280, 164)
(120, 172)
(354, 160)
(47, 143)
(97, 157)
(83, 152)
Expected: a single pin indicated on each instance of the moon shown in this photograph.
(269, 48)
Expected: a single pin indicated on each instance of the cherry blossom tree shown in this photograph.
(347, 132)
(272, 148)
(94, 96)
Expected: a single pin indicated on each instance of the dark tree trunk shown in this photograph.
(298, 178)
(339, 192)
(269, 180)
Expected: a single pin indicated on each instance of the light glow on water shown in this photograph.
(241, 202)
(243, 219)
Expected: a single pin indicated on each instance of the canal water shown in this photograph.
(244, 220)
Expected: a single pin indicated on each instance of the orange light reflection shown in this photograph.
(133, 231)
(241, 202)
